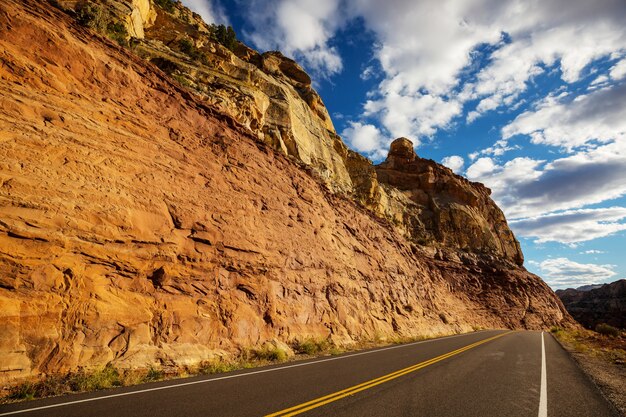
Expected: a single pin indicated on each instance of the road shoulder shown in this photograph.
(606, 372)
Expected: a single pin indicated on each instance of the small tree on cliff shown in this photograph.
(224, 35)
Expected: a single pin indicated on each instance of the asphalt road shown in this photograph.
(489, 373)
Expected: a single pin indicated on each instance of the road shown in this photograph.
(489, 373)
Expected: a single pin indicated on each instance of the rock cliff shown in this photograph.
(146, 221)
(444, 209)
(595, 304)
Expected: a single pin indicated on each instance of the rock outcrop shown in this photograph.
(143, 224)
(445, 209)
(269, 94)
(135, 15)
(595, 304)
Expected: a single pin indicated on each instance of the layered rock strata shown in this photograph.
(142, 224)
(597, 304)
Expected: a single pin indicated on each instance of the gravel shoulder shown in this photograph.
(603, 359)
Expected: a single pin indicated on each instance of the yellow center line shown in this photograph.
(318, 402)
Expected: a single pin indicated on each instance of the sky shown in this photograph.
(525, 96)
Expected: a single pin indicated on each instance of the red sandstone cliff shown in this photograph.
(143, 224)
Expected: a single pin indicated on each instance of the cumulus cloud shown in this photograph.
(572, 226)
(599, 116)
(301, 29)
(210, 10)
(412, 115)
(426, 46)
(525, 187)
(618, 71)
(566, 35)
(592, 128)
(454, 162)
(564, 273)
(363, 137)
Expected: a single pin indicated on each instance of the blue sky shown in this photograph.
(525, 96)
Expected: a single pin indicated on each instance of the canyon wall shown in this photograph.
(155, 218)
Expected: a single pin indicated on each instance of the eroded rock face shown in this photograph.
(141, 224)
(444, 209)
(135, 15)
(268, 93)
(599, 304)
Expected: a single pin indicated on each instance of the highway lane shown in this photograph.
(489, 373)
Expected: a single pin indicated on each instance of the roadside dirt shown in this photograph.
(603, 358)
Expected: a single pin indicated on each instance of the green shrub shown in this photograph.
(167, 5)
(218, 366)
(607, 330)
(311, 346)
(92, 16)
(154, 375)
(188, 48)
(165, 65)
(98, 18)
(117, 32)
(269, 353)
(107, 377)
(26, 391)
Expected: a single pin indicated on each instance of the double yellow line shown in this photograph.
(318, 402)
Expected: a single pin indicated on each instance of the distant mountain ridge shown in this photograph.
(589, 287)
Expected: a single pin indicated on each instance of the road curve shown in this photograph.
(489, 373)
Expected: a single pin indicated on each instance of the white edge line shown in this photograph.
(543, 396)
(262, 371)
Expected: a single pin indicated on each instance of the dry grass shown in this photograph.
(610, 347)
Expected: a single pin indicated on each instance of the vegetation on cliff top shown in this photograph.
(98, 18)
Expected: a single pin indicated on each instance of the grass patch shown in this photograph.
(154, 374)
(107, 377)
(270, 354)
(182, 80)
(312, 346)
(609, 347)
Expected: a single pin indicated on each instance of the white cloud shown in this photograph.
(471, 116)
(601, 79)
(544, 35)
(498, 149)
(618, 71)
(364, 138)
(412, 115)
(368, 73)
(301, 29)
(599, 115)
(211, 11)
(572, 226)
(525, 187)
(425, 47)
(454, 162)
(564, 273)
(481, 169)
(592, 128)
(592, 252)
